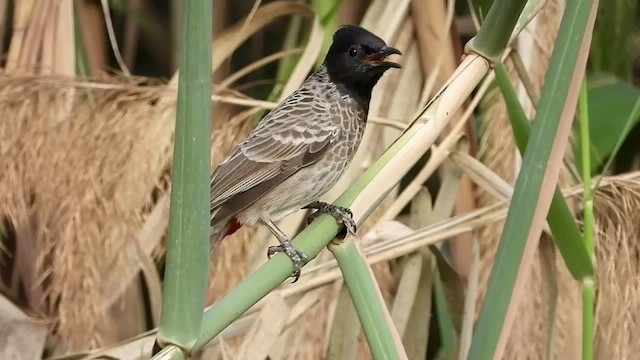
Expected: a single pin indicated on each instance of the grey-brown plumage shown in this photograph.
(302, 147)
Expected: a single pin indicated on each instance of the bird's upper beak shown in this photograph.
(378, 59)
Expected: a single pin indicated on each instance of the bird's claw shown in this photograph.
(298, 258)
(343, 215)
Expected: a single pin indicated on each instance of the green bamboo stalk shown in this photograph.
(564, 228)
(188, 243)
(588, 284)
(495, 31)
(382, 337)
(575, 23)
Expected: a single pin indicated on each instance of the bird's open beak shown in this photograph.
(378, 59)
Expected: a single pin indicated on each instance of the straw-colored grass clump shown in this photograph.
(77, 186)
(617, 318)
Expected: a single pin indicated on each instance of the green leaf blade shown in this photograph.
(529, 183)
(188, 242)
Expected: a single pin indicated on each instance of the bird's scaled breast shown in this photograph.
(303, 187)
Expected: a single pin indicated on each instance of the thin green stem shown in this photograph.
(588, 285)
(524, 76)
(586, 160)
(373, 314)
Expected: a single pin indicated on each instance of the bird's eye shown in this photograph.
(353, 51)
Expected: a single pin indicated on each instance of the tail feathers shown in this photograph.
(218, 232)
(221, 228)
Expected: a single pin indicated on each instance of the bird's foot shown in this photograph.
(343, 215)
(298, 258)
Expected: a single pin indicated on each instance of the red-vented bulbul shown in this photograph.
(301, 148)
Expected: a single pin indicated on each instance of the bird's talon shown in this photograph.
(272, 250)
(295, 275)
(343, 215)
(313, 217)
(298, 258)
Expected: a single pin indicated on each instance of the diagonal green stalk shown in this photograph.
(563, 226)
(188, 243)
(378, 327)
(588, 284)
(496, 29)
(562, 72)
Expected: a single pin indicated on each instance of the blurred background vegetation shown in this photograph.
(87, 109)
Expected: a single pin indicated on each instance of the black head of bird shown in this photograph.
(357, 59)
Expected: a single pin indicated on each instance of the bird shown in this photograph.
(300, 149)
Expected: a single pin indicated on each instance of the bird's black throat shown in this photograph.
(359, 88)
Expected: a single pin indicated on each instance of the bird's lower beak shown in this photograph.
(378, 59)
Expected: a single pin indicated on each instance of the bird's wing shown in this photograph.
(294, 135)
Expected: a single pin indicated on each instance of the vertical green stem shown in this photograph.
(375, 319)
(588, 284)
(188, 243)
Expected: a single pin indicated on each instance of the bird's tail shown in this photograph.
(219, 228)
(217, 231)
(217, 234)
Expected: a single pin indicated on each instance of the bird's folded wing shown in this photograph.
(268, 156)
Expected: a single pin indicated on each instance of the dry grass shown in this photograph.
(617, 318)
(75, 193)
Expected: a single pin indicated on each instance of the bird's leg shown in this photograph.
(298, 258)
(343, 215)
